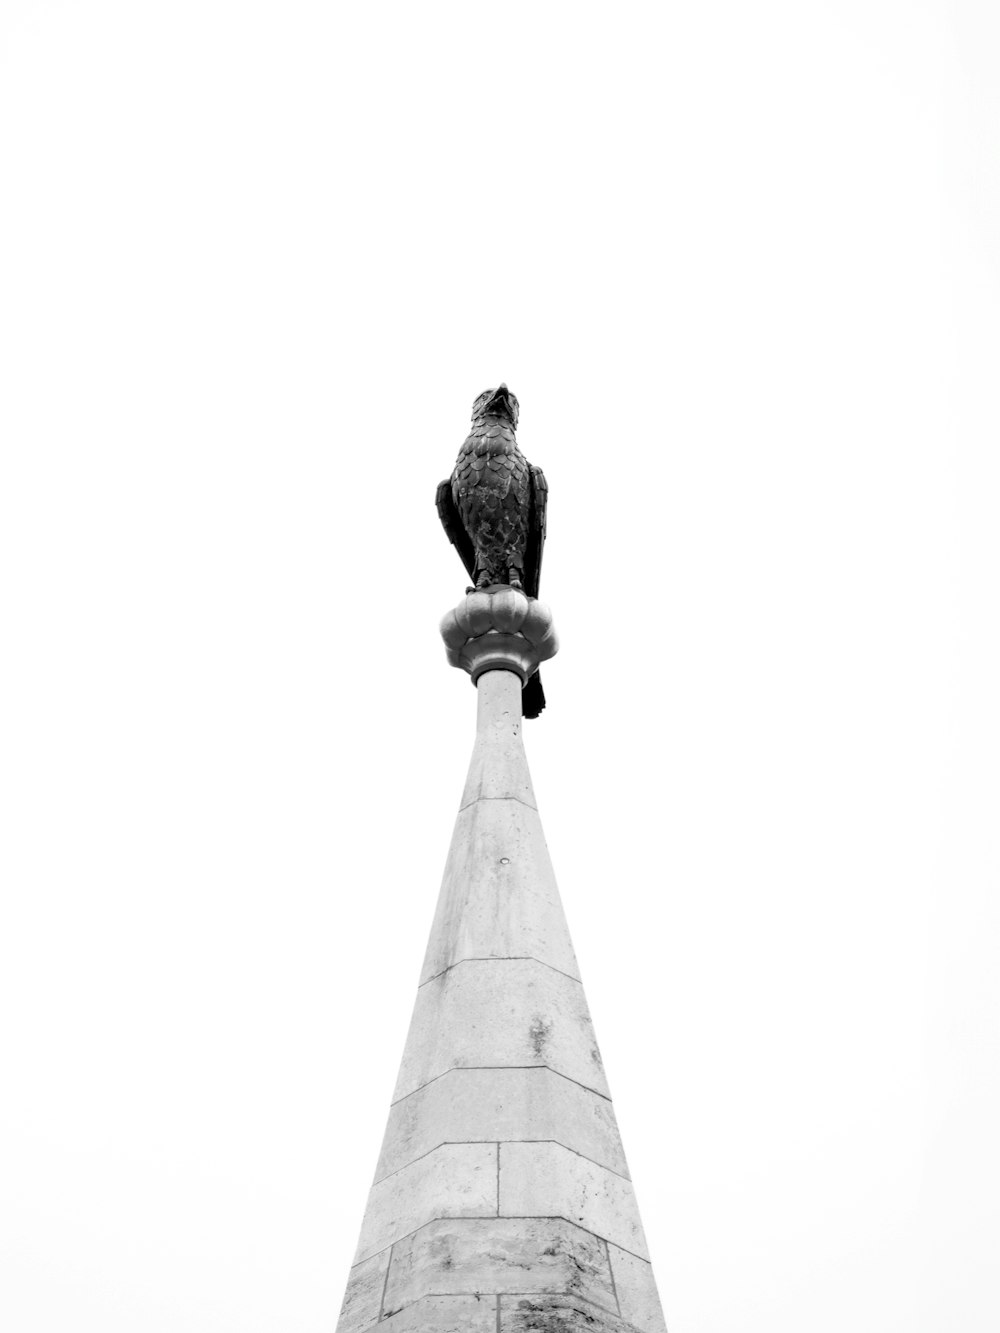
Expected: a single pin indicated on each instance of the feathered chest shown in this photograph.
(490, 464)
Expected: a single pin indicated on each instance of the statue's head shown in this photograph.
(496, 403)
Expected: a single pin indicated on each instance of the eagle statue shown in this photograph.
(493, 509)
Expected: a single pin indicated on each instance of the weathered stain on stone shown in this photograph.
(544, 1318)
(478, 1015)
(442, 1314)
(555, 1314)
(538, 1034)
(548, 1180)
(501, 1255)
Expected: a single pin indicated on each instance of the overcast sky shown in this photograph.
(740, 264)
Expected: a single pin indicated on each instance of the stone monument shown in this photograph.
(502, 1201)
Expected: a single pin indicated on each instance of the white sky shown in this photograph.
(740, 264)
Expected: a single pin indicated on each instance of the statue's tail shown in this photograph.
(533, 696)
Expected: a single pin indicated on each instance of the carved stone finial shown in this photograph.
(499, 629)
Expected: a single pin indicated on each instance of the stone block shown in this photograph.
(456, 1180)
(546, 1180)
(555, 1314)
(637, 1295)
(443, 1314)
(500, 1255)
(363, 1298)
(468, 1105)
(499, 897)
(511, 1013)
(498, 767)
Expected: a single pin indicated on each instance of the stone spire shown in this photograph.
(502, 1201)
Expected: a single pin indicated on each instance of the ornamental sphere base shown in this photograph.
(499, 629)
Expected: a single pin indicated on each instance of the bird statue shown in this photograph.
(493, 509)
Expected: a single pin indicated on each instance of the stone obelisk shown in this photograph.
(502, 1202)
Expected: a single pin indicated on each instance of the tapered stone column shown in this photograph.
(502, 1201)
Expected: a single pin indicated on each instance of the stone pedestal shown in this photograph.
(502, 1200)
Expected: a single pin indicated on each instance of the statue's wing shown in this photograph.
(533, 696)
(454, 527)
(536, 532)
